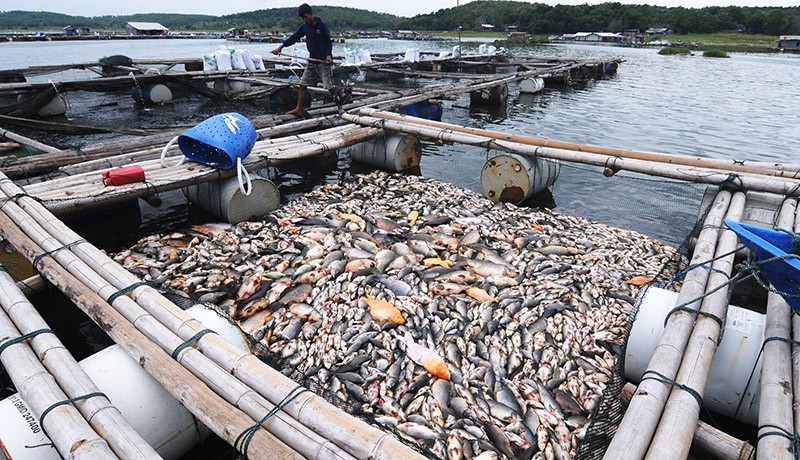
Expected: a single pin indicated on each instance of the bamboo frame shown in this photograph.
(682, 412)
(775, 405)
(757, 182)
(186, 174)
(644, 411)
(361, 440)
(222, 418)
(776, 169)
(103, 417)
(65, 426)
(707, 438)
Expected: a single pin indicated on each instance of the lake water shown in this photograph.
(742, 108)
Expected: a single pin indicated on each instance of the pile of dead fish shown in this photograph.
(473, 329)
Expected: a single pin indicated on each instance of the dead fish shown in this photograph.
(480, 295)
(383, 311)
(297, 294)
(305, 311)
(499, 439)
(417, 431)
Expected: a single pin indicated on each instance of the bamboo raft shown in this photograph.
(230, 391)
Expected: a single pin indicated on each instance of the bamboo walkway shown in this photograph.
(663, 413)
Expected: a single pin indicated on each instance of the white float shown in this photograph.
(394, 152)
(150, 409)
(512, 178)
(225, 200)
(152, 94)
(729, 381)
(531, 85)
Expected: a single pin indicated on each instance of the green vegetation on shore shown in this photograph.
(725, 41)
(715, 54)
(532, 18)
(674, 50)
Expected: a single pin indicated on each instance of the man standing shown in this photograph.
(320, 49)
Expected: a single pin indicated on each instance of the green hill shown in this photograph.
(533, 18)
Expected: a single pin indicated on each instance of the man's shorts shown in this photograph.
(316, 72)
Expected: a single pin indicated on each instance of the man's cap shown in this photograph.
(304, 8)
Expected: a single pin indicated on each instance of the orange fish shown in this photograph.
(425, 357)
(639, 280)
(412, 217)
(479, 294)
(383, 311)
(537, 227)
(432, 261)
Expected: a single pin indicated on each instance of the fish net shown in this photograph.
(608, 414)
(561, 288)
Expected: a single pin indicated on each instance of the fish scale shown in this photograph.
(528, 346)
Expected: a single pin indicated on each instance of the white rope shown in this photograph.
(164, 154)
(240, 169)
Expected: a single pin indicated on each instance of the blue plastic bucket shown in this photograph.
(219, 141)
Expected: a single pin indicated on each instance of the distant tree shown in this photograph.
(776, 22)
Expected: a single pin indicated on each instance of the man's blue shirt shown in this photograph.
(318, 39)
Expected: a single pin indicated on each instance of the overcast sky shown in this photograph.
(398, 7)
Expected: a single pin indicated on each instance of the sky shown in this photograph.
(405, 8)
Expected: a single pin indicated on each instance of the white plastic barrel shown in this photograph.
(394, 152)
(149, 408)
(512, 178)
(531, 85)
(224, 200)
(156, 94)
(56, 106)
(736, 357)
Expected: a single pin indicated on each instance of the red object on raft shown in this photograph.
(122, 176)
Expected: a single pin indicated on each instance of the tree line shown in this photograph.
(533, 18)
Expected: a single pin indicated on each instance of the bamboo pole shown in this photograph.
(783, 186)
(103, 417)
(639, 423)
(222, 418)
(775, 414)
(354, 436)
(707, 438)
(776, 169)
(33, 285)
(28, 141)
(682, 411)
(71, 435)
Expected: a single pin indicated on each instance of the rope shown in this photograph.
(124, 291)
(242, 442)
(190, 341)
(731, 179)
(664, 379)
(793, 438)
(23, 338)
(67, 401)
(39, 258)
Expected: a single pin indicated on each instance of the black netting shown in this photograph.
(609, 412)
